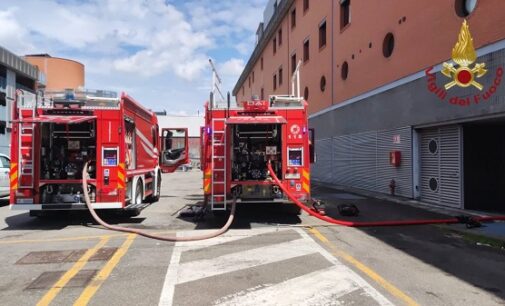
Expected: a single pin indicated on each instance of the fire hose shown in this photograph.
(145, 234)
(459, 219)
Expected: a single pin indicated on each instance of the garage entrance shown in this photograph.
(484, 165)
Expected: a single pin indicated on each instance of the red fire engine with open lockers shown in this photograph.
(237, 143)
(54, 136)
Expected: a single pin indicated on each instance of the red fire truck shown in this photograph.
(238, 142)
(54, 135)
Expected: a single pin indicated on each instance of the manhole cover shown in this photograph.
(44, 257)
(47, 279)
(100, 255)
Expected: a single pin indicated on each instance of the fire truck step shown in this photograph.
(149, 180)
(220, 169)
(219, 156)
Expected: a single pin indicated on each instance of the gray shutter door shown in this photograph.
(362, 161)
(441, 180)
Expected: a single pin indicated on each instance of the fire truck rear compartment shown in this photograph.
(253, 146)
(64, 150)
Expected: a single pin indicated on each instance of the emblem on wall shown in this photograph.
(464, 55)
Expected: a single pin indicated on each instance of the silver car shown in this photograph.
(4, 175)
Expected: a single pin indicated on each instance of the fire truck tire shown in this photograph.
(139, 193)
(157, 193)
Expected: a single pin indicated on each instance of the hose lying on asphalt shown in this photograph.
(145, 234)
(460, 219)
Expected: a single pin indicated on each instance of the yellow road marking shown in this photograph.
(363, 268)
(72, 238)
(65, 278)
(59, 239)
(100, 278)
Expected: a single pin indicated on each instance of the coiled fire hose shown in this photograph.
(145, 234)
(460, 219)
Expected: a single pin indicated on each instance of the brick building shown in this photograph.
(364, 75)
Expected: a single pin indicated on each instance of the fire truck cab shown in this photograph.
(238, 142)
(54, 135)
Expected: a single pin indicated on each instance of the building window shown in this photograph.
(274, 43)
(305, 5)
(322, 34)
(465, 7)
(3, 99)
(293, 18)
(345, 71)
(322, 83)
(261, 63)
(3, 125)
(262, 94)
(306, 94)
(275, 81)
(243, 91)
(306, 48)
(280, 37)
(345, 13)
(388, 45)
(280, 76)
(249, 81)
(293, 63)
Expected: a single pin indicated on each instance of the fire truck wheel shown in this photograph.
(156, 196)
(138, 193)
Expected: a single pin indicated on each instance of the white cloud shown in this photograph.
(156, 48)
(232, 67)
(11, 32)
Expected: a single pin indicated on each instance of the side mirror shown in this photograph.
(174, 149)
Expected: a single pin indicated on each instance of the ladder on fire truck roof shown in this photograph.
(26, 109)
(218, 178)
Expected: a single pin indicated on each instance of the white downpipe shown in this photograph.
(296, 76)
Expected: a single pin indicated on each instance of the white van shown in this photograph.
(4, 175)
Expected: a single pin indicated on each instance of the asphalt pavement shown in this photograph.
(271, 256)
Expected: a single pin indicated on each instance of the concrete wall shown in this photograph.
(6, 111)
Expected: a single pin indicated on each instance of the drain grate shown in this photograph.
(47, 279)
(47, 257)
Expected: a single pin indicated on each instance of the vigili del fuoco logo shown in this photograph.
(464, 73)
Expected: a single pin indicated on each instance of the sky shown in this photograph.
(155, 50)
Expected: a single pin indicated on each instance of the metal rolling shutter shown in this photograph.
(441, 168)
(321, 169)
(362, 161)
(342, 160)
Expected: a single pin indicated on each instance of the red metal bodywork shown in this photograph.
(111, 189)
(295, 134)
